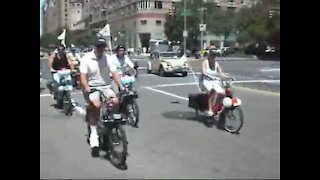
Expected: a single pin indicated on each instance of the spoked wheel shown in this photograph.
(133, 113)
(67, 105)
(232, 119)
(117, 145)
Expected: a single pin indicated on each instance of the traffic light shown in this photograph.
(171, 11)
(271, 12)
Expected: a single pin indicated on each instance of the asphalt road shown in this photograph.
(170, 142)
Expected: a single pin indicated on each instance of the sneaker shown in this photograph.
(209, 113)
(95, 152)
(94, 139)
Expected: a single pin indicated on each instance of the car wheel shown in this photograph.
(162, 73)
(184, 74)
(149, 68)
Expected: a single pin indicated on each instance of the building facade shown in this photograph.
(61, 13)
(132, 22)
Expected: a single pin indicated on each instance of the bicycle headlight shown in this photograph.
(227, 102)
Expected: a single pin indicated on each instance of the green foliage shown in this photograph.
(252, 24)
(72, 37)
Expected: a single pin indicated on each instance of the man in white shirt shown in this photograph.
(95, 69)
(121, 61)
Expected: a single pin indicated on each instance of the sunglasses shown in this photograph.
(101, 46)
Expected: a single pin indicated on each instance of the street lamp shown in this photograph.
(185, 33)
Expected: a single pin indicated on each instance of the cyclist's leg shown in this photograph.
(111, 95)
(94, 103)
(55, 82)
(219, 91)
(208, 88)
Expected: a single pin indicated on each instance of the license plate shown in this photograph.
(117, 116)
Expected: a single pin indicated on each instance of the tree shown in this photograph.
(47, 39)
(256, 26)
(219, 22)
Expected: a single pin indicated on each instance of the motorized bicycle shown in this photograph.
(110, 132)
(229, 113)
(129, 105)
(62, 92)
(128, 98)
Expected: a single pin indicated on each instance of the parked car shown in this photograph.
(163, 63)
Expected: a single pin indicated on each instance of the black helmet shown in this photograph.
(120, 47)
(212, 53)
(100, 42)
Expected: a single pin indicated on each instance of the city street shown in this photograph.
(170, 142)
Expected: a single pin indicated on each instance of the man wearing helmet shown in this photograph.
(211, 72)
(121, 61)
(75, 57)
(95, 70)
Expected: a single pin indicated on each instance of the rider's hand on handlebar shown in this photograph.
(52, 70)
(87, 89)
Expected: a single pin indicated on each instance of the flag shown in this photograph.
(62, 37)
(105, 31)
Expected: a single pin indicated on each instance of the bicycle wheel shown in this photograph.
(67, 105)
(233, 120)
(117, 145)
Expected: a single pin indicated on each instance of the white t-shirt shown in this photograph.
(97, 70)
(121, 65)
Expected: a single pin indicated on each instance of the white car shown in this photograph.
(163, 63)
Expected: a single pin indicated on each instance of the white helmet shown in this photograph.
(227, 102)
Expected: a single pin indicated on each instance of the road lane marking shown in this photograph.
(176, 84)
(167, 93)
(270, 70)
(195, 83)
(142, 68)
(49, 95)
(45, 95)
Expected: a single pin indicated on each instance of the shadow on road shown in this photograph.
(188, 115)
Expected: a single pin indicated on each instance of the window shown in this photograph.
(144, 5)
(158, 22)
(104, 14)
(78, 4)
(231, 1)
(242, 1)
(158, 4)
(143, 22)
(87, 1)
(78, 11)
(66, 15)
(66, 1)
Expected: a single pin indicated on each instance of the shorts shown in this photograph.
(216, 85)
(107, 91)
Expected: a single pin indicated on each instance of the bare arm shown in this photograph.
(131, 66)
(50, 61)
(70, 62)
(221, 74)
(83, 77)
(204, 68)
(114, 73)
(84, 82)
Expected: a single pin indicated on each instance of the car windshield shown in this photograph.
(170, 55)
